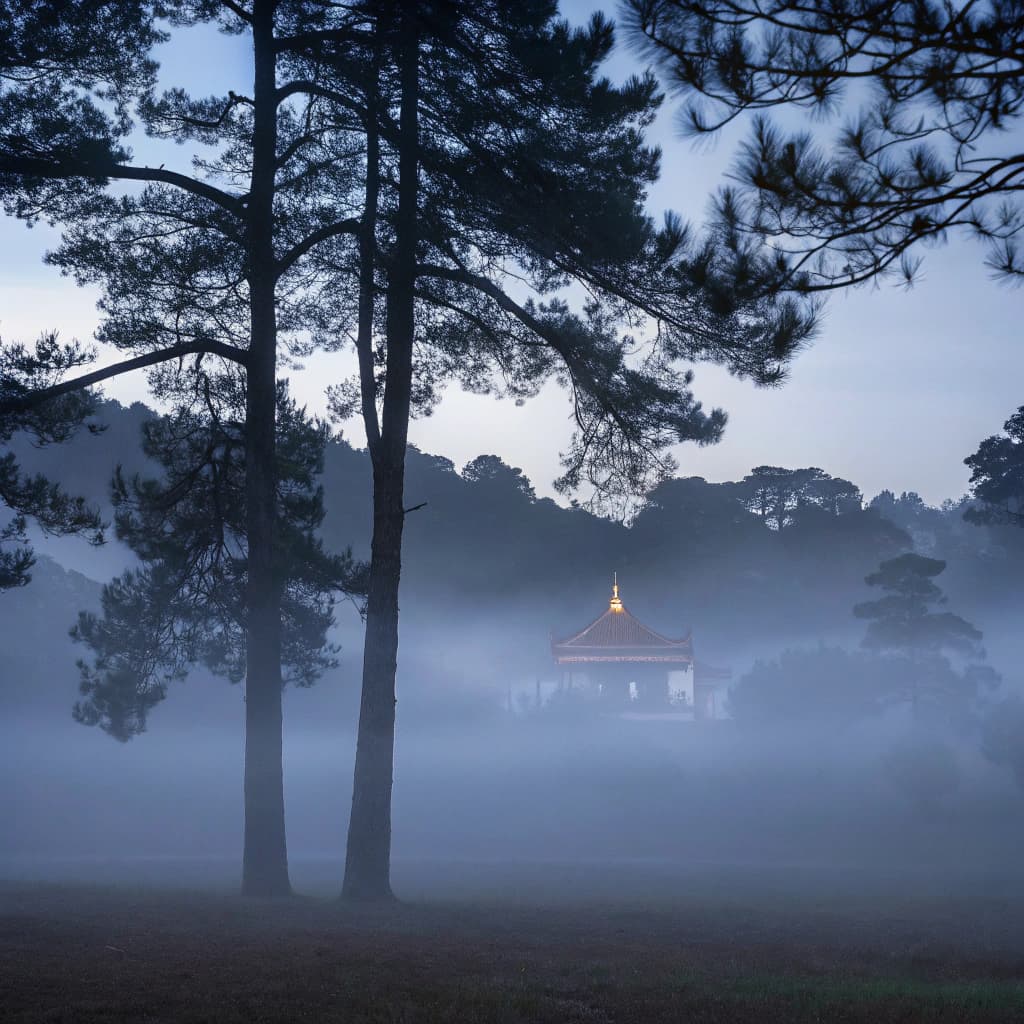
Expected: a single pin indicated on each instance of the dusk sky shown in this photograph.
(899, 387)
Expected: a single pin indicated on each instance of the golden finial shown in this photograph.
(616, 603)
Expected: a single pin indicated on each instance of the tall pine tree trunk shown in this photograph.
(368, 856)
(265, 858)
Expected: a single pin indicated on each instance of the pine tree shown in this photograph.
(501, 169)
(905, 622)
(186, 604)
(997, 476)
(209, 266)
(930, 152)
(33, 496)
(394, 172)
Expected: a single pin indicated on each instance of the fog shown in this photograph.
(315, 705)
(815, 763)
(485, 776)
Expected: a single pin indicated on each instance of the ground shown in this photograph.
(515, 943)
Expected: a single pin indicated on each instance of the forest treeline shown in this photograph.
(754, 566)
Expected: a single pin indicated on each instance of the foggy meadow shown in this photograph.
(814, 755)
(305, 717)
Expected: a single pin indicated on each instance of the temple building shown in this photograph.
(629, 665)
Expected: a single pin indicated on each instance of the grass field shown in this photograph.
(511, 944)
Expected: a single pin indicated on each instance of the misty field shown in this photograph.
(515, 943)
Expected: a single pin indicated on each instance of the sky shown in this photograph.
(899, 387)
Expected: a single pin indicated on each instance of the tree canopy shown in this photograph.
(997, 476)
(930, 151)
(204, 270)
(185, 605)
(903, 619)
(777, 494)
(503, 171)
(905, 622)
(32, 496)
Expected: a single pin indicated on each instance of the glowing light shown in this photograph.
(615, 605)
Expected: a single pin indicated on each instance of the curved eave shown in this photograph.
(576, 655)
(651, 639)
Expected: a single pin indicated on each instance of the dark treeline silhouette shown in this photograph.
(714, 554)
(492, 570)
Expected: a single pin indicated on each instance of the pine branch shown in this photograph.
(64, 166)
(36, 398)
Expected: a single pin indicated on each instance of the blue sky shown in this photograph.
(897, 390)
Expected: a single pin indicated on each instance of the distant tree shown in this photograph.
(997, 476)
(908, 506)
(932, 529)
(846, 542)
(800, 687)
(904, 622)
(689, 511)
(832, 494)
(931, 150)
(765, 492)
(776, 494)
(491, 470)
(771, 493)
(33, 496)
(185, 605)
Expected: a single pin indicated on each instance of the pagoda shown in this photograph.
(629, 664)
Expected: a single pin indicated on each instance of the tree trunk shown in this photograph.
(265, 857)
(368, 855)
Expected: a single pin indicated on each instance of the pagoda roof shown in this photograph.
(619, 636)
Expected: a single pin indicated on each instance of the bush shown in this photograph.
(811, 686)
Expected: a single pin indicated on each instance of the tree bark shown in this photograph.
(264, 858)
(368, 855)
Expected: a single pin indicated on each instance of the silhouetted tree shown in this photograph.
(927, 525)
(776, 494)
(824, 684)
(500, 162)
(904, 622)
(997, 476)
(693, 556)
(930, 150)
(845, 543)
(832, 494)
(186, 604)
(903, 509)
(33, 496)
(211, 264)
(768, 492)
(693, 514)
(494, 473)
